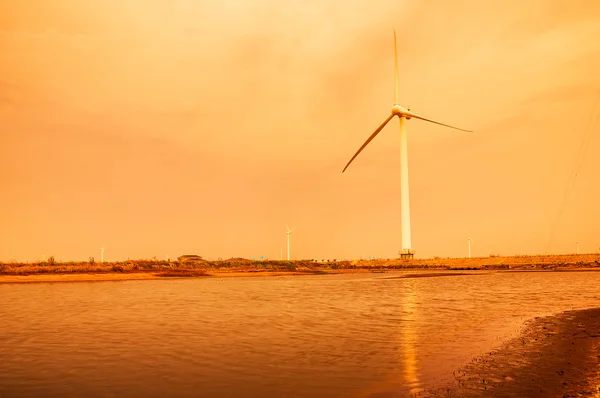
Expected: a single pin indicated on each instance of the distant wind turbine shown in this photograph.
(470, 241)
(403, 114)
(288, 233)
(101, 254)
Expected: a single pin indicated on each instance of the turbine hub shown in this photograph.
(399, 111)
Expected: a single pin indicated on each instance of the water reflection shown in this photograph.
(408, 339)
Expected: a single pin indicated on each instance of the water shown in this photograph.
(328, 335)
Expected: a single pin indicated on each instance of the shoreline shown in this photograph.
(152, 269)
(553, 356)
(141, 276)
(115, 276)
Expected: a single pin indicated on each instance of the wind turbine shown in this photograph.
(101, 254)
(403, 114)
(470, 240)
(288, 233)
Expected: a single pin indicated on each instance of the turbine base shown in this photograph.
(406, 254)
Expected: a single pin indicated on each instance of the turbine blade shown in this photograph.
(396, 82)
(288, 228)
(410, 114)
(381, 126)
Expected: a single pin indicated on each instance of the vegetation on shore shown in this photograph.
(204, 267)
(164, 268)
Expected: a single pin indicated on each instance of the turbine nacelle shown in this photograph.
(401, 111)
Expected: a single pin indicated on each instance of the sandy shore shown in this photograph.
(557, 356)
(117, 276)
(225, 273)
(83, 277)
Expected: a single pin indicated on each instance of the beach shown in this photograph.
(555, 356)
(117, 276)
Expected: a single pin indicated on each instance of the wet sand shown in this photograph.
(557, 356)
(431, 275)
(116, 276)
(82, 277)
(225, 273)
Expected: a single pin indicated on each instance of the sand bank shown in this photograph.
(77, 277)
(557, 356)
(228, 273)
(118, 276)
(428, 274)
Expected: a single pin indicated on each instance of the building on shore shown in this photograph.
(189, 258)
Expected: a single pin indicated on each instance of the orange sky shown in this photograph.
(172, 127)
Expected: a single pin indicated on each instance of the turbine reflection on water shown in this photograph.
(408, 342)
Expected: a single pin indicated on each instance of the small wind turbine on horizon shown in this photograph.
(470, 241)
(101, 254)
(288, 233)
(403, 114)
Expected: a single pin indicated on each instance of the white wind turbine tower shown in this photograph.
(288, 233)
(403, 114)
(101, 254)
(470, 241)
